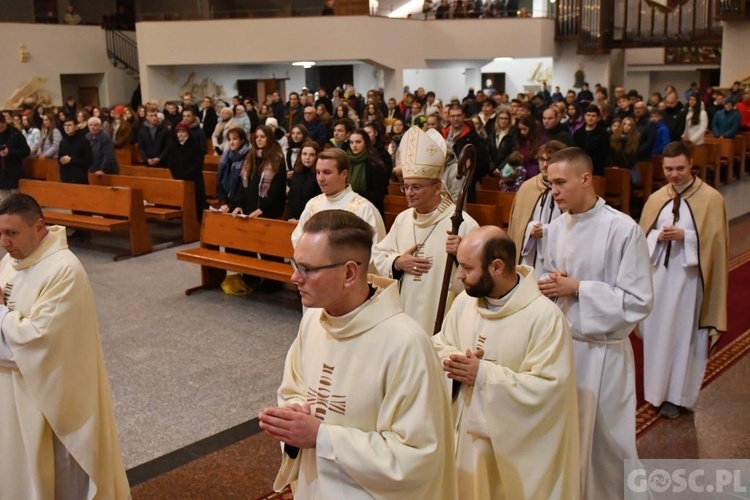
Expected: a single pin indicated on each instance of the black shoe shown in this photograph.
(670, 410)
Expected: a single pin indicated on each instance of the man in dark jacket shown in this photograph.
(13, 149)
(674, 118)
(197, 133)
(458, 134)
(317, 130)
(555, 130)
(75, 155)
(594, 139)
(207, 116)
(292, 113)
(153, 140)
(102, 149)
(646, 130)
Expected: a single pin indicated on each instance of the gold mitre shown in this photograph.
(422, 154)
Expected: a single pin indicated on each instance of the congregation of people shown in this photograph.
(527, 388)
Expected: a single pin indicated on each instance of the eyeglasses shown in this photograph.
(305, 272)
(415, 187)
(543, 160)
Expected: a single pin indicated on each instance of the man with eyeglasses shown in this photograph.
(686, 230)
(332, 174)
(533, 209)
(458, 134)
(414, 250)
(362, 408)
(317, 130)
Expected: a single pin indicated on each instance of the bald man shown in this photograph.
(508, 351)
(597, 269)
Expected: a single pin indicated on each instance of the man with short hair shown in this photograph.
(317, 130)
(507, 350)
(726, 122)
(342, 130)
(674, 118)
(57, 425)
(172, 116)
(594, 139)
(598, 272)
(102, 149)
(187, 103)
(584, 97)
(75, 155)
(533, 209)
(414, 251)
(207, 116)
(458, 134)
(324, 100)
(13, 149)
(383, 435)
(735, 93)
(292, 112)
(153, 140)
(685, 223)
(623, 109)
(277, 104)
(646, 131)
(332, 174)
(555, 130)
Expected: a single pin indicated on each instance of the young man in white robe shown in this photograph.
(362, 410)
(509, 348)
(415, 249)
(533, 209)
(332, 173)
(57, 426)
(685, 223)
(598, 271)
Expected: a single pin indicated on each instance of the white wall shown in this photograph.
(735, 64)
(365, 78)
(646, 72)
(445, 82)
(56, 50)
(518, 71)
(598, 68)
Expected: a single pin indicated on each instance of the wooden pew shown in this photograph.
(212, 193)
(490, 183)
(124, 156)
(643, 189)
(726, 157)
(141, 171)
(168, 199)
(659, 181)
(43, 169)
(617, 188)
(221, 232)
(502, 200)
(394, 188)
(135, 155)
(106, 209)
(739, 153)
(706, 163)
(211, 163)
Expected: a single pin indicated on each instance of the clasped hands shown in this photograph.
(463, 368)
(294, 425)
(671, 233)
(557, 284)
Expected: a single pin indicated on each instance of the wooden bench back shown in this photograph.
(265, 236)
(618, 188)
(490, 183)
(211, 163)
(166, 192)
(499, 199)
(112, 201)
(140, 171)
(210, 180)
(44, 169)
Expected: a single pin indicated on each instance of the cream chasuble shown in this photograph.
(58, 387)
(517, 428)
(675, 345)
(532, 204)
(420, 294)
(374, 380)
(345, 200)
(607, 252)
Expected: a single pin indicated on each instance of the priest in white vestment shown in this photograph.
(533, 209)
(362, 410)
(57, 428)
(686, 229)
(516, 416)
(598, 271)
(415, 249)
(332, 173)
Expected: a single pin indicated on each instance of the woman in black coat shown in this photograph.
(304, 185)
(185, 161)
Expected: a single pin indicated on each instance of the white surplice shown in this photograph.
(675, 350)
(374, 380)
(517, 428)
(605, 250)
(345, 200)
(420, 294)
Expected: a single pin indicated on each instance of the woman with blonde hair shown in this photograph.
(50, 137)
(219, 135)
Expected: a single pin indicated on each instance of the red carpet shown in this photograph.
(732, 346)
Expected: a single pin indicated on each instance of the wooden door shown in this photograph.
(88, 96)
